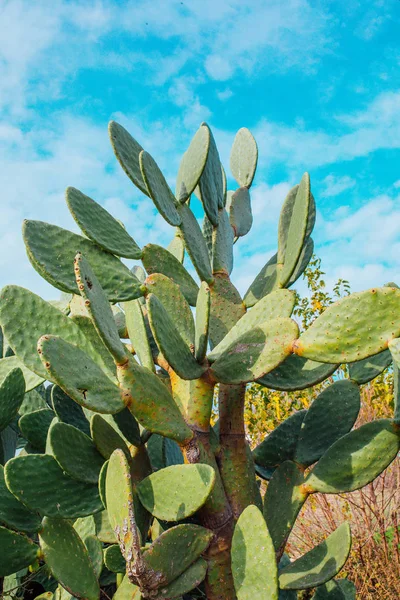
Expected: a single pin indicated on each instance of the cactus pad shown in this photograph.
(17, 550)
(192, 164)
(98, 225)
(52, 250)
(338, 334)
(176, 492)
(68, 559)
(158, 260)
(12, 390)
(75, 452)
(158, 189)
(88, 385)
(51, 492)
(254, 569)
(256, 352)
(356, 458)
(244, 157)
(322, 426)
(319, 564)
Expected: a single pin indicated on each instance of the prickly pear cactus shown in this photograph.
(122, 486)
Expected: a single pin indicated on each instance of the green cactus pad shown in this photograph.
(278, 304)
(186, 582)
(239, 210)
(297, 373)
(158, 260)
(254, 569)
(102, 483)
(192, 164)
(102, 357)
(10, 363)
(195, 244)
(177, 492)
(365, 370)
(75, 452)
(265, 283)
(17, 552)
(286, 217)
(331, 415)
(68, 559)
(128, 426)
(256, 352)
(170, 342)
(331, 591)
(98, 308)
(32, 401)
(79, 377)
(355, 459)
(127, 151)
(296, 231)
(394, 348)
(12, 391)
(35, 425)
(13, 513)
(95, 551)
(338, 334)
(203, 306)
(207, 230)
(68, 411)
(98, 225)
(222, 244)
(283, 502)
(177, 246)
(174, 302)
(348, 588)
(52, 250)
(113, 559)
(158, 189)
(137, 332)
(104, 530)
(176, 549)
(17, 305)
(320, 564)
(85, 527)
(127, 591)
(304, 258)
(152, 404)
(50, 492)
(244, 156)
(226, 308)
(106, 438)
(211, 184)
(120, 507)
(280, 444)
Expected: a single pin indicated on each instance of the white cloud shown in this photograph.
(359, 133)
(224, 95)
(218, 67)
(41, 49)
(335, 185)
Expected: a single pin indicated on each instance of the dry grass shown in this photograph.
(373, 513)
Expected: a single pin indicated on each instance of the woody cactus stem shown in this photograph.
(123, 484)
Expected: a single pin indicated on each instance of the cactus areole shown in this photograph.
(123, 486)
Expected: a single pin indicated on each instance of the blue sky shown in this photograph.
(318, 84)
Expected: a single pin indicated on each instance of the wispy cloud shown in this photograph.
(335, 185)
